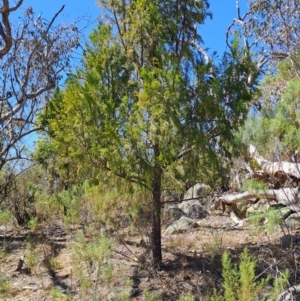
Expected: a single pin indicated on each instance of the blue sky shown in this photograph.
(213, 32)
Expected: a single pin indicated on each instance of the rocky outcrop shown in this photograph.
(292, 222)
(196, 211)
(183, 224)
(172, 214)
(195, 201)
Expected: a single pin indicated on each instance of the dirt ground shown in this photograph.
(191, 263)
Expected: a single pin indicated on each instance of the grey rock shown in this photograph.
(175, 197)
(292, 222)
(134, 292)
(284, 212)
(289, 241)
(4, 229)
(111, 296)
(181, 225)
(197, 191)
(261, 206)
(195, 200)
(291, 294)
(172, 214)
(197, 212)
(185, 205)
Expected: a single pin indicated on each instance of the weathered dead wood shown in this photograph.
(290, 294)
(20, 263)
(289, 197)
(289, 168)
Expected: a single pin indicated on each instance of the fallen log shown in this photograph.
(289, 168)
(289, 197)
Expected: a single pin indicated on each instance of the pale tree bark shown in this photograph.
(34, 53)
(290, 294)
(5, 31)
(288, 168)
(288, 196)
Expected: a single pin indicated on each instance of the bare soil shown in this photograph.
(191, 262)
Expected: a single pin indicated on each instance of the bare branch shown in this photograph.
(14, 8)
(37, 53)
(201, 50)
(7, 37)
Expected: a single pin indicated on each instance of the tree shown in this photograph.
(33, 53)
(271, 28)
(275, 25)
(149, 105)
(275, 128)
(5, 33)
(22, 192)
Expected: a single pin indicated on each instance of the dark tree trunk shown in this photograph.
(156, 215)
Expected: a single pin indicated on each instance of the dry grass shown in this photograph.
(191, 264)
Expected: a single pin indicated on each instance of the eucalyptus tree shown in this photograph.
(148, 104)
(34, 53)
(273, 28)
(5, 26)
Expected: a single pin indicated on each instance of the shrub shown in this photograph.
(239, 282)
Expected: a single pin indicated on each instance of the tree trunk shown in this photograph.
(156, 214)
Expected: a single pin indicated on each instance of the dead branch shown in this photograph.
(6, 31)
(289, 197)
(289, 168)
(289, 293)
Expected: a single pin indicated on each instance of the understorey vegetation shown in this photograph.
(159, 171)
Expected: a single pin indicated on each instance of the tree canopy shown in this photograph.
(148, 104)
(34, 53)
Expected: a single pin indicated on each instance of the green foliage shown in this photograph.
(96, 251)
(114, 113)
(267, 220)
(6, 217)
(51, 263)
(92, 267)
(239, 283)
(5, 281)
(48, 206)
(187, 297)
(216, 245)
(5, 286)
(254, 165)
(71, 200)
(21, 194)
(151, 296)
(147, 106)
(57, 294)
(279, 284)
(32, 223)
(252, 185)
(275, 129)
